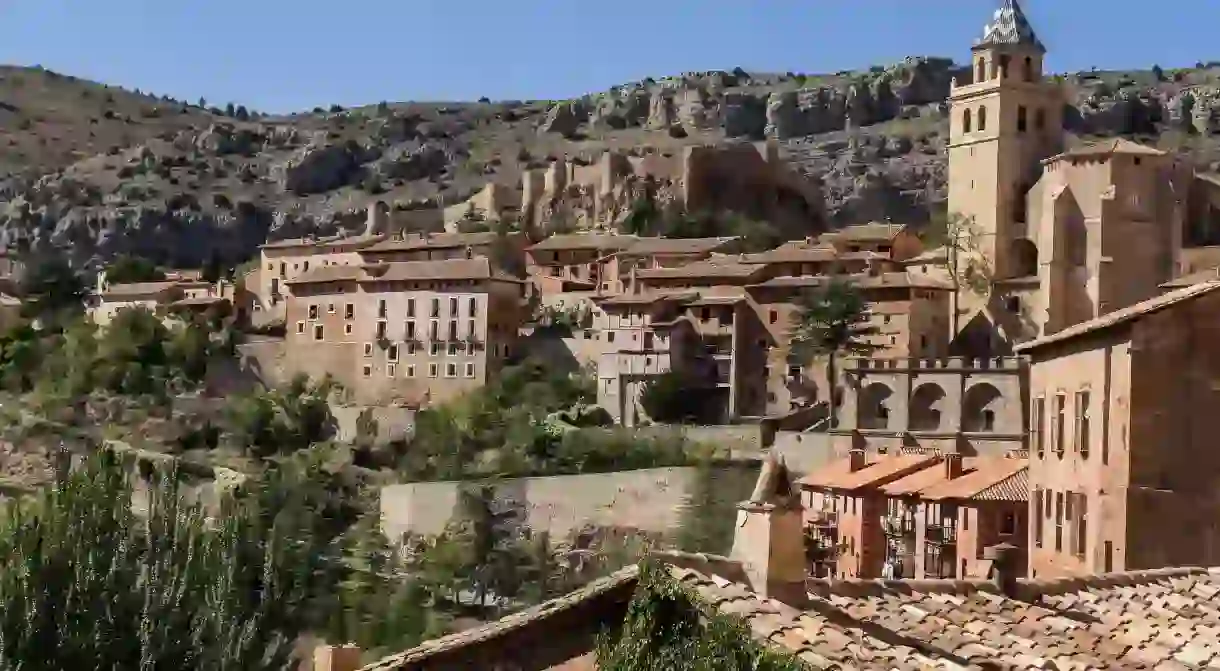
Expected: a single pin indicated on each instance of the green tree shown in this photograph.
(127, 269)
(676, 397)
(89, 584)
(52, 289)
(213, 270)
(831, 320)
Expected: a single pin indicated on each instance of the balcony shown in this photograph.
(942, 534)
(898, 526)
(824, 519)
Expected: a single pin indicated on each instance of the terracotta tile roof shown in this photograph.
(930, 256)
(702, 269)
(1108, 148)
(886, 469)
(983, 475)
(418, 657)
(331, 273)
(1014, 489)
(718, 300)
(873, 231)
(644, 246)
(583, 241)
(1192, 279)
(797, 251)
(199, 301)
(895, 280)
(131, 290)
(434, 241)
(478, 268)
(327, 243)
(1124, 315)
(916, 482)
(1146, 619)
(645, 299)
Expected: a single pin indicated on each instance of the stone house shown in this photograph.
(1122, 415)
(281, 262)
(165, 297)
(442, 246)
(651, 253)
(895, 242)
(409, 332)
(567, 263)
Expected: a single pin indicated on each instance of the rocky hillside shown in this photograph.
(106, 171)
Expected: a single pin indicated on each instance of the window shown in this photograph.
(410, 331)
(436, 307)
(982, 117)
(609, 336)
(410, 371)
(1028, 70)
(318, 332)
(1013, 304)
(1037, 501)
(1082, 524)
(410, 307)
(454, 349)
(1058, 437)
(431, 370)
(390, 370)
(1082, 423)
(434, 330)
(349, 311)
(347, 329)
(392, 353)
(469, 349)
(300, 327)
(451, 370)
(1004, 60)
(1022, 119)
(381, 329)
(472, 307)
(313, 312)
(1058, 521)
(381, 309)
(368, 349)
(966, 121)
(453, 331)
(435, 349)
(1037, 434)
(1107, 561)
(410, 349)
(453, 305)
(773, 316)
(469, 370)
(471, 331)
(330, 308)
(367, 371)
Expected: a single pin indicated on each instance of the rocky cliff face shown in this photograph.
(128, 172)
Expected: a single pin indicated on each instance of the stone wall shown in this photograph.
(393, 423)
(649, 500)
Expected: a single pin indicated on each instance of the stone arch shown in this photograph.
(982, 117)
(925, 407)
(874, 406)
(980, 71)
(1024, 258)
(980, 408)
(966, 121)
(1029, 69)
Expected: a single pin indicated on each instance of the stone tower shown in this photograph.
(1004, 122)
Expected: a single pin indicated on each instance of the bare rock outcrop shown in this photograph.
(319, 168)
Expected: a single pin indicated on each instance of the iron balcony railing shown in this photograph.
(898, 526)
(942, 534)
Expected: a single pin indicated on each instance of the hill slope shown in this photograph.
(106, 171)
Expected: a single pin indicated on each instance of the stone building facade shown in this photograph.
(411, 332)
(1122, 419)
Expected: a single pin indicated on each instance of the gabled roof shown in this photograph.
(434, 241)
(1122, 316)
(646, 246)
(701, 269)
(1008, 26)
(893, 280)
(1108, 148)
(886, 469)
(137, 289)
(873, 231)
(797, 251)
(984, 475)
(331, 273)
(585, 241)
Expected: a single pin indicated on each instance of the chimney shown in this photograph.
(769, 540)
(1004, 567)
(856, 460)
(336, 658)
(953, 466)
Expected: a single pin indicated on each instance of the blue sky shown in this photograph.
(288, 55)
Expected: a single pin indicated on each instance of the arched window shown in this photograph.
(966, 121)
(982, 117)
(980, 73)
(1004, 67)
(1029, 69)
(1022, 121)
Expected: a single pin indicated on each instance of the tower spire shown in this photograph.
(1008, 26)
